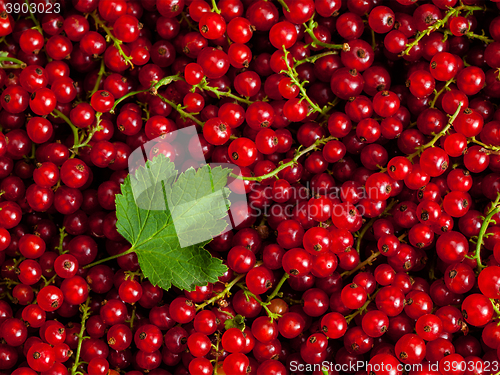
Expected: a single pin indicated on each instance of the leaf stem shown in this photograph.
(273, 173)
(131, 250)
(438, 135)
(86, 313)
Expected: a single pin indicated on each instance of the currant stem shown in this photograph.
(74, 129)
(374, 41)
(369, 300)
(368, 261)
(132, 317)
(33, 18)
(484, 145)
(313, 59)
(178, 108)
(248, 293)
(292, 73)
(102, 70)
(96, 128)
(131, 250)
(51, 280)
(309, 28)
(214, 7)
(86, 313)
(295, 160)
(118, 101)
(203, 85)
(443, 89)
(284, 5)
(495, 208)
(438, 24)
(225, 291)
(496, 307)
(482, 38)
(188, 22)
(18, 63)
(370, 223)
(278, 287)
(221, 294)
(62, 235)
(116, 42)
(438, 135)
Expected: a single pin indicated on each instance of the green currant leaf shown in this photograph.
(237, 322)
(169, 218)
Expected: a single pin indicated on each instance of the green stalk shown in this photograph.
(496, 307)
(495, 208)
(443, 89)
(313, 59)
(85, 316)
(214, 7)
(221, 294)
(292, 73)
(102, 70)
(116, 42)
(369, 300)
(368, 261)
(284, 5)
(484, 145)
(438, 135)
(203, 85)
(179, 109)
(18, 63)
(370, 223)
(248, 294)
(482, 38)
(131, 250)
(438, 24)
(33, 18)
(309, 28)
(278, 287)
(74, 129)
(295, 160)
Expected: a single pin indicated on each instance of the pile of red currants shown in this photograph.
(367, 135)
